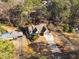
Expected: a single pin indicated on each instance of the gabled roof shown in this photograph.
(38, 27)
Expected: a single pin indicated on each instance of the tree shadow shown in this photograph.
(25, 31)
(41, 48)
(67, 55)
(34, 30)
(43, 30)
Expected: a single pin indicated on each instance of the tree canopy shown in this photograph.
(6, 49)
(55, 11)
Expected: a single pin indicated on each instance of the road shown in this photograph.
(50, 40)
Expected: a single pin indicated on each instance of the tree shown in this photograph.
(4, 0)
(23, 10)
(29, 5)
(59, 10)
(6, 49)
(73, 18)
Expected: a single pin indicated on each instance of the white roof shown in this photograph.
(39, 27)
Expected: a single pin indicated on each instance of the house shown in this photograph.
(37, 28)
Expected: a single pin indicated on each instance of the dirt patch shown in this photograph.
(61, 45)
(58, 41)
(73, 38)
(8, 28)
(41, 39)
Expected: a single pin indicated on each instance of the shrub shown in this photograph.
(71, 29)
(42, 57)
(6, 49)
(2, 30)
(66, 28)
(4, 0)
(34, 37)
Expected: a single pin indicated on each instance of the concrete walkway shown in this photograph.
(50, 40)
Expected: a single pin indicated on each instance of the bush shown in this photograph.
(42, 57)
(4, 0)
(34, 37)
(66, 28)
(2, 30)
(6, 49)
(71, 29)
